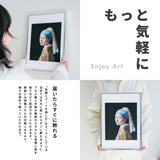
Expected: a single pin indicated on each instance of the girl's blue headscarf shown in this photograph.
(47, 33)
(123, 113)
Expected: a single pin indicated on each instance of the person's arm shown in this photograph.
(94, 117)
(17, 72)
(61, 71)
(146, 116)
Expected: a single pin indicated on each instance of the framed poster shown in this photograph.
(45, 41)
(121, 121)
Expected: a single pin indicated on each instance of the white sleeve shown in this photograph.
(17, 72)
(94, 116)
(20, 65)
(60, 73)
(146, 116)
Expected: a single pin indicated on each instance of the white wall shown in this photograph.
(21, 9)
(88, 148)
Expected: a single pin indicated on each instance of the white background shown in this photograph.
(66, 146)
(21, 9)
(107, 43)
(88, 147)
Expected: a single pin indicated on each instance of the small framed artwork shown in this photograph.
(45, 41)
(121, 121)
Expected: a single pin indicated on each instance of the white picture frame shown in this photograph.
(110, 104)
(37, 24)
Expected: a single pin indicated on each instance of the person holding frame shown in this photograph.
(7, 69)
(94, 117)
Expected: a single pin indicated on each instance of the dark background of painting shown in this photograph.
(36, 48)
(111, 129)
